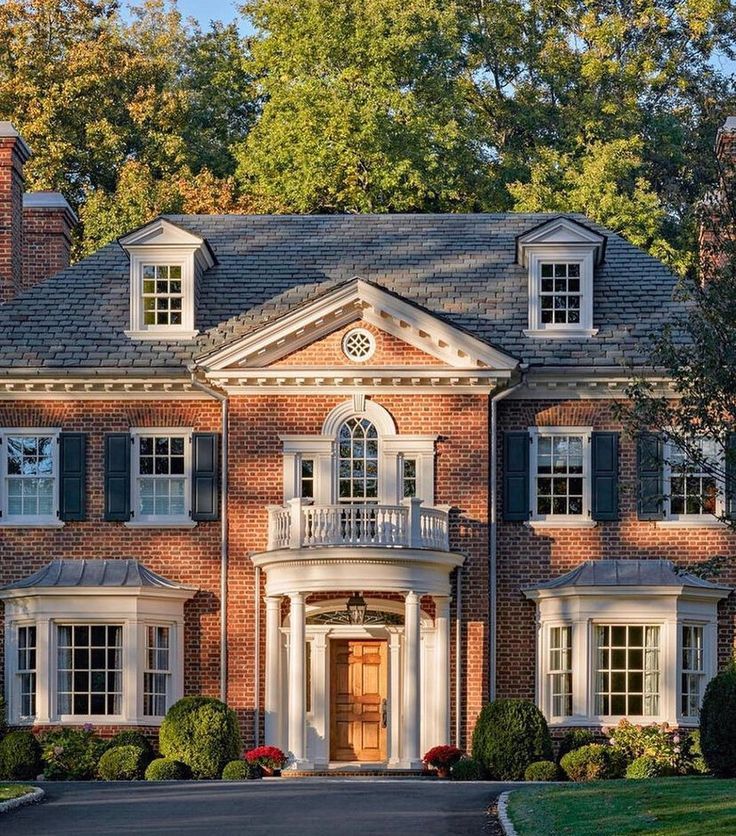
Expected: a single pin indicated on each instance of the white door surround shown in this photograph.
(298, 720)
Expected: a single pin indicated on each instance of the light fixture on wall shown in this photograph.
(356, 608)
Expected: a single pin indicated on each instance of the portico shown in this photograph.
(375, 691)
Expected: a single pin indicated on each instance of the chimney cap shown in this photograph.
(730, 124)
(48, 200)
(7, 130)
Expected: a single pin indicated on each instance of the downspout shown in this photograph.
(493, 523)
(458, 653)
(213, 393)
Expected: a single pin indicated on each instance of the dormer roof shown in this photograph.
(163, 233)
(564, 232)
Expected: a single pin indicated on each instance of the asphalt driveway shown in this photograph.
(308, 807)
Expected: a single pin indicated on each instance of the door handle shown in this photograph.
(384, 713)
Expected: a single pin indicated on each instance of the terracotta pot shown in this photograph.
(270, 772)
(443, 772)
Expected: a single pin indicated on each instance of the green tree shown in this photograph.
(362, 110)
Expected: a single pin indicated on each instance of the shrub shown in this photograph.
(542, 771)
(594, 762)
(134, 738)
(653, 741)
(466, 769)
(718, 724)
(167, 769)
(202, 732)
(574, 739)
(240, 770)
(3, 726)
(695, 757)
(269, 756)
(20, 756)
(647, 766)
(508, 736)
(443, 757)
(71, 754)
(122, 763)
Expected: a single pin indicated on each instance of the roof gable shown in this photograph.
(352, 301)
(562, 232)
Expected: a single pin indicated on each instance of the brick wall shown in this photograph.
(526, 556)
(46, 243)
(11, 213)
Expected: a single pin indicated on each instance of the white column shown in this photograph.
(394, 697)
(442, 667)
(297, 702)
(317, 733)
(46, 707)
(410, 755)
(272, 705)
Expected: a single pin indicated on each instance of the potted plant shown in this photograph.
(270, 759)
(443, 758)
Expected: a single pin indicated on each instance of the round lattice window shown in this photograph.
(358, 345)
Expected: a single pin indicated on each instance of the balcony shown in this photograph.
(301, 525)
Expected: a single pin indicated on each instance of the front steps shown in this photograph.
(356, 770)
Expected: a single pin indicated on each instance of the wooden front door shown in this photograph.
(358, 686)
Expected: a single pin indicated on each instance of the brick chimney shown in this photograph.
(48, 221)
(726, 144)
(13, 155)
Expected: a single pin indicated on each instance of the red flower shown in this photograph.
(443, 757)
(269, 756)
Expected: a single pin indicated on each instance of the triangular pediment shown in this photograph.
(353, 302)
(162, 233)
(561, 232)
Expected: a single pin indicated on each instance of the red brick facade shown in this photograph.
(11, 216)
(46, 242)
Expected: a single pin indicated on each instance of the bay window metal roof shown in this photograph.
(119, 572)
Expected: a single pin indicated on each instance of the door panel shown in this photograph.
(358, 687)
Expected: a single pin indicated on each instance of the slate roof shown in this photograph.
(627, 573)
(460, 266)
(117, 573)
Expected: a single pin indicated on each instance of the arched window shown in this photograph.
(357, 461)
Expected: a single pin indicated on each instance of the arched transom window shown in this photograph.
(358, 461)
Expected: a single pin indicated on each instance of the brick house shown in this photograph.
(354, 475)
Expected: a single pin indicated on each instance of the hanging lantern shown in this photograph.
(356, 609)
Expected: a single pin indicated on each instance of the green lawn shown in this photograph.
(665, 806)
(8, 791)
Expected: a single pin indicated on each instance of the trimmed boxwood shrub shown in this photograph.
(71, 754)
(134, 738)
(594, 762)
(646, 766)
(467, 769)
(167, 769)
(542, 771)
(574, 739)
(203, 733)
(238, 770)
(695, 754)
(20, 756)
(122, 763)
(509, 735)
(718, 724)
(3, 726)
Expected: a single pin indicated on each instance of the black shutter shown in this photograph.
(731, 476)
(605, 476)
(72, 476)
(516, 476)
(117, 477)
(650, 472)
(205, 481)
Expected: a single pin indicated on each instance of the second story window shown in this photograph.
(30, 473)
(408, 477)
(691, 486)
(560, 473)
(306, 478)
(162, 294)
(161, 476)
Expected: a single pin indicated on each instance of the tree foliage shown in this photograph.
(603, 106)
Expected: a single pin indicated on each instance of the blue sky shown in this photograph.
(206, 10)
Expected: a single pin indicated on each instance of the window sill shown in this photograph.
(560, 334)
(161, 335)
(100, 720)
(24, 524)
(541, 524)
(160, 524)
(704, 523)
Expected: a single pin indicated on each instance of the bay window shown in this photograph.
(89, 669)
(693, 671)
(627, 670)
(157, 671)
(560, 670)
(26, 670)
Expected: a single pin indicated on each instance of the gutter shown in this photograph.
(493, 524)
(213, 393)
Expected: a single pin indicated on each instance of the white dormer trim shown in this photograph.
(163, 243)
(561, 240)
(353, 301)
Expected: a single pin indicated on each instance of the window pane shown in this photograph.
(563, 457)
(89, 664)
(627, 670)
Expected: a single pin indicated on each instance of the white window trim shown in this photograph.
(137, 520)
(690, 520)
(171, 256)
(580, 254)
(49, 610)
(658, 607)
(560, 520)
(51, 521)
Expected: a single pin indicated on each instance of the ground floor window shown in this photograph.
(27, 670)
(560, 666)
(89, 669)
(157, 673)
(693, 672)
(627, 670)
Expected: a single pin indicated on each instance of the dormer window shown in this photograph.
(166, 264)
(561, 256)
